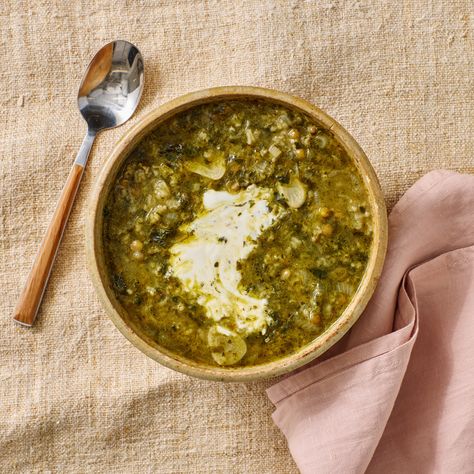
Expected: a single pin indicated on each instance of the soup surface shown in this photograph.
(236, 232)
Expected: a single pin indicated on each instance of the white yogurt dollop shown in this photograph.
(206, 261)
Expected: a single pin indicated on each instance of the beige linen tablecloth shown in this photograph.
(75, 396)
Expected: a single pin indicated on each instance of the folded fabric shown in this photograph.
(396, 394)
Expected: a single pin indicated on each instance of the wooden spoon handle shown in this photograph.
(30, 298)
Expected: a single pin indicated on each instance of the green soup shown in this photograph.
(236, 232)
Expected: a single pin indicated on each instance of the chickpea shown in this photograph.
(285, 274)
(324, 212)
(341, 299)
(294, 134)
(327, 310)
(234, 167)
(136, 245)
(137, 255)
(299, 153)
(315, 318)
(327, 230)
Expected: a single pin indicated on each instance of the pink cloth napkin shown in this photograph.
(397, 393)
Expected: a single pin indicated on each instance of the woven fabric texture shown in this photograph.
(75, 396)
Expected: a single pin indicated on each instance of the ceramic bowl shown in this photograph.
(95, 250)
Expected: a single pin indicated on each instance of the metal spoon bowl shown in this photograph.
(108, 96)
(112, 86)
(110, 90)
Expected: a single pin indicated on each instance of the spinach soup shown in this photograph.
(236, 232)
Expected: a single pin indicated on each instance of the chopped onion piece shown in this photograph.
(345, 288)
(226, 345)
(250, 136)
(321, 140)
(274, 151)
(294, 192)
(215, 169)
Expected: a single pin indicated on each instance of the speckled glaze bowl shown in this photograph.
(95, 252)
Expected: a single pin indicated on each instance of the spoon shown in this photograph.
(108, 96)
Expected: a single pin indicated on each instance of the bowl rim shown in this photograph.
(93, 236)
